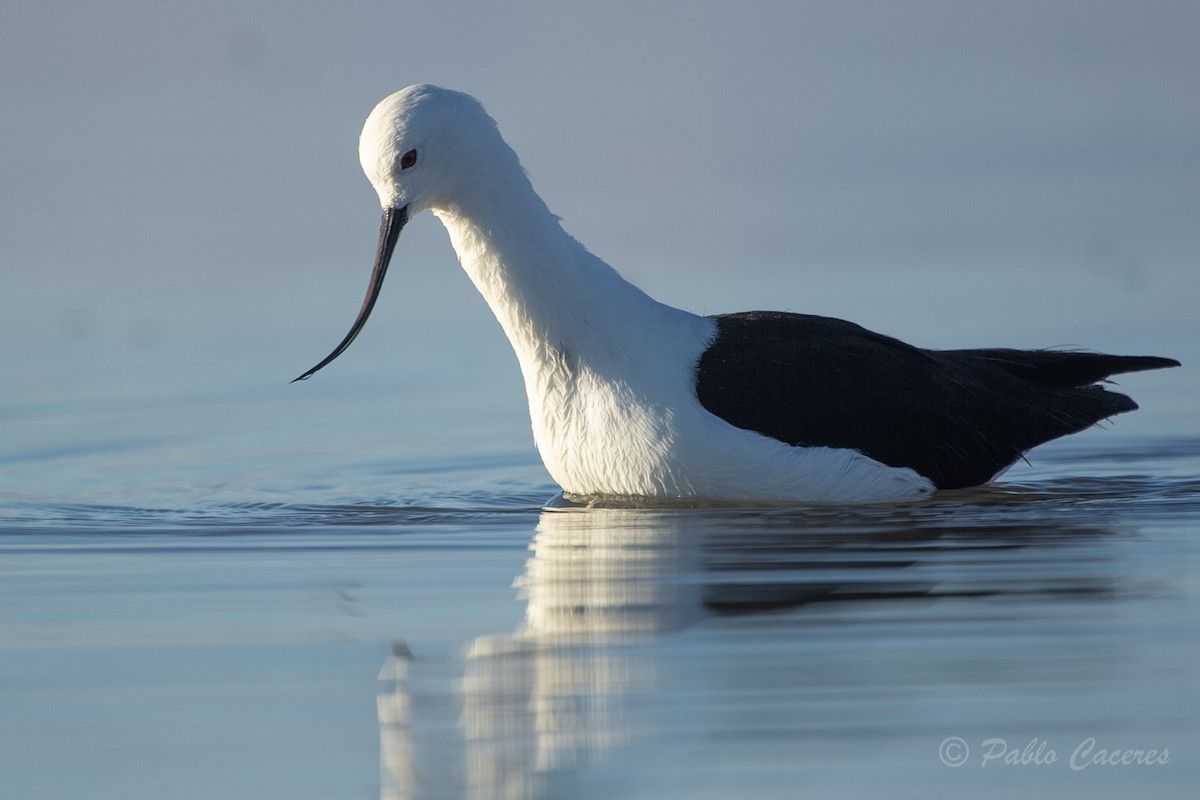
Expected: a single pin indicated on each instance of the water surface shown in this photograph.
(429, 627)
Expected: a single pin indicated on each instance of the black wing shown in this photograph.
(958, 417)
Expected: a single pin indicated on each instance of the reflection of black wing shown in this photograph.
(958, 417)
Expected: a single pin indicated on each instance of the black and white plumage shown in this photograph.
(956, 417)
(629, 397)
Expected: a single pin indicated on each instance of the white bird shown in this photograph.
(631, 398)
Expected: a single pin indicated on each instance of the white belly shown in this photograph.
(605, 439)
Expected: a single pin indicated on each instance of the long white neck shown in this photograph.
(554, 299)
(606, 368)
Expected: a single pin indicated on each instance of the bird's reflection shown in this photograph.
(605, 589)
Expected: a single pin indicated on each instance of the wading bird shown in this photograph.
(631, 398)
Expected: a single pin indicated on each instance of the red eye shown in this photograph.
(408, 159)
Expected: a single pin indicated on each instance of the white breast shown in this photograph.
(649, 437)
(610, 375)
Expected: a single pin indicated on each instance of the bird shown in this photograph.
(633, 399)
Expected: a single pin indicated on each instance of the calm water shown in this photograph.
(285, 595)
(217, 585)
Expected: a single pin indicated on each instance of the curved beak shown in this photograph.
(389, 231)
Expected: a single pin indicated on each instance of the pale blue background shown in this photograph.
(185, 220)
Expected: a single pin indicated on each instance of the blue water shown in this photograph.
(217, 585)
(366, 588)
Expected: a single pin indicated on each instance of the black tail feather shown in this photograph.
(1063, 368)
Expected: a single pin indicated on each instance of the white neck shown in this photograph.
(553, 298)
(601, 359)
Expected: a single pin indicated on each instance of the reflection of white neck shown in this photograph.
(602, 575)
(552, 695)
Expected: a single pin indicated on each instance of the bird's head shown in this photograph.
(424, 148)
